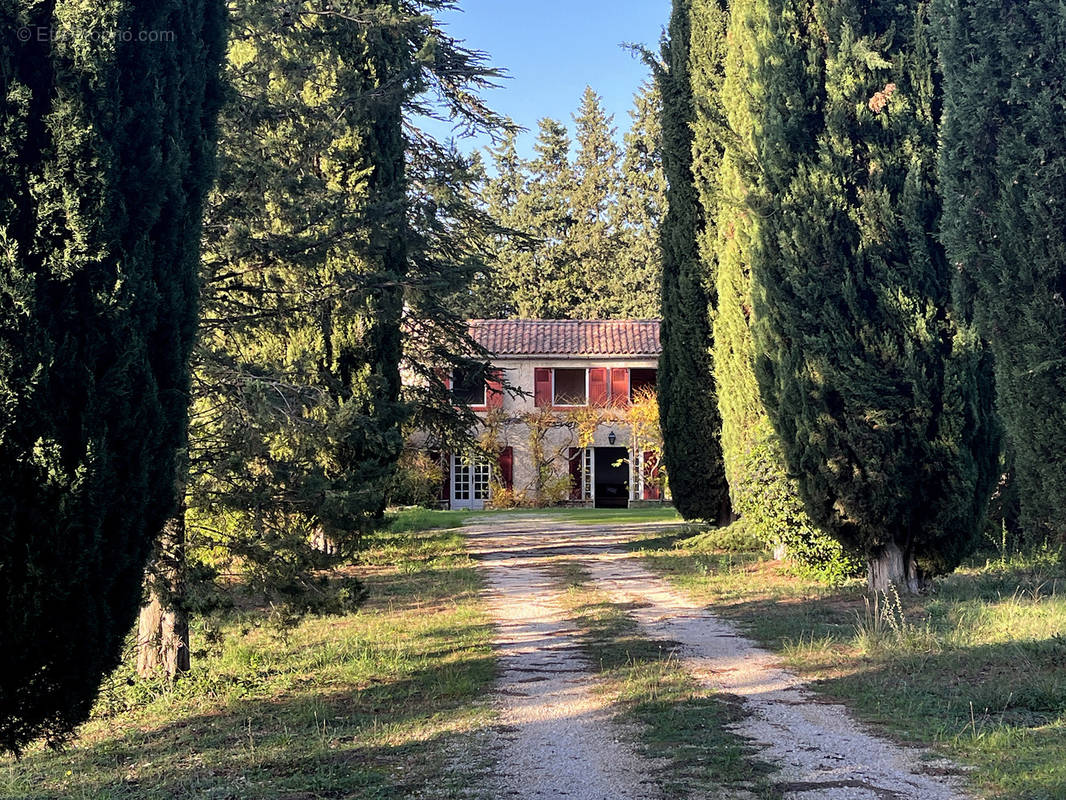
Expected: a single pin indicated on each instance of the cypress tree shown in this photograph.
(688, 405)
(879, 392)
(1002, 164)
(107, 147)
(762, 492)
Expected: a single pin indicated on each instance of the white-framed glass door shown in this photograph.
(471, 482)
(588, 474)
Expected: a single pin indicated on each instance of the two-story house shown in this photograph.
(564, 366)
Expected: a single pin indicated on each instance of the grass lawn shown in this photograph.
(413, 519)
(360, 706)
(975, 669)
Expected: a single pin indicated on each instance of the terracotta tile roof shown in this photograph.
(611, 337)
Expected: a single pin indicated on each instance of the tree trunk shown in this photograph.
(891, 567)
(163, 629)
(726, 515)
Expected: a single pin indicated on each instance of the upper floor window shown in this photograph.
(641, 380)
(571, 387)
(469, 388)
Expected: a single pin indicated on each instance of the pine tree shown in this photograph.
(640, 209)
(1001, 168)
(878, 391)
(333, 233)
(688, 404)
(576, 238)
(108, 153)
(495, 296)
(548, 283)
(594, 239)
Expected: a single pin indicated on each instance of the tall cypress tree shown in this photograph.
(1002, 174)
(688, 406)
(879, 392)
(108, 145)
(759, 485)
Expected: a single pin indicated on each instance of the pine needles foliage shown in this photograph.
(338, 240)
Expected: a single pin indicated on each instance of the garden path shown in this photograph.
(557, 738)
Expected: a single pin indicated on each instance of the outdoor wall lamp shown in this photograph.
(611, 438)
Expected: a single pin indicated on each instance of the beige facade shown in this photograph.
(520, 373)
(569, 374)
(611, 441)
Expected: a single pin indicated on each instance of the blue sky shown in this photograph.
(552, 49)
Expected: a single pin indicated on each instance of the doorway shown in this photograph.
(612, 477)
(471, 479)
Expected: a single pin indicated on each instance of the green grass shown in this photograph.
(361, 706)
(416, 518)
(680, 723)
(976, 669)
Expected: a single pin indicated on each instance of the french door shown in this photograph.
(471, 479)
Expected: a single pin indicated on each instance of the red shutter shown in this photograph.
(507, 468)
(445, 460)
(651, 476)
(542, 389)
(494, 395)
(620, 386)
(575, 459)
(445, 377)
(598, 386)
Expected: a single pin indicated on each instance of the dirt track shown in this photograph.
(557, 737)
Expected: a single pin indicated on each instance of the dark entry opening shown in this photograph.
(612, 477)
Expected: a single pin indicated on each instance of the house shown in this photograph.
(566, 432)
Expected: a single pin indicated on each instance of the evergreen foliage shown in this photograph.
(579, 234)
(595, 240)
(688, 404)
(337, 239)
(640, 210)
(880, 394)
(1001, 169)
(108, 152)
(761, 490)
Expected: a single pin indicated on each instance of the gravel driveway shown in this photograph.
(557, 739)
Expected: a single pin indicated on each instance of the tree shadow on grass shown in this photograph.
(378, 741)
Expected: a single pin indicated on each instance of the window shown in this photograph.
(468, 388)
(641, 380)
(571, 388)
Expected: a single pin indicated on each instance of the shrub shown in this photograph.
(418, 480)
